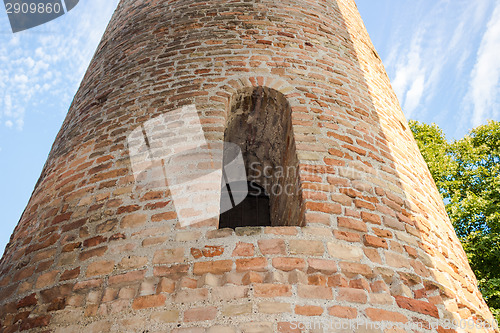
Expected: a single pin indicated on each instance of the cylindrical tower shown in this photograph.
(112, 241)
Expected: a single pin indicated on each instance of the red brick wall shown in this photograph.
(95, 251)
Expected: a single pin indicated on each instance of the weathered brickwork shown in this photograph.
(96, 251)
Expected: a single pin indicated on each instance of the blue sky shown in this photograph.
(443, 58)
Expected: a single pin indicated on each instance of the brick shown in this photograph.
(187, 236)
(107, 226)
(173, 272)
(57, 304)
(337, 280)
(382, 299)
(150, 301)
(374, 241)
(62, 218)
(382, 233)
(237, 309)
(289, 264)
(214, 267)
(353, 269)
(133, 262)
(44, 266)
(316, 292)
(317, 231)
(324, 207)
(364, 204)
(253, 264)
(318, 218)
(317, 280)
(417, 306)
(219, 233)
(344, 251)
(200, 314)
(384, 315)
(248, 231)
(97, 252)
(169, 256)
(352, 295)
(110, 294)
(371, 218)
(212, 251)
(360, 283)
(285, 231)
(420, 268)
(272, 290)
(379, 286)
(291, 327)
(52, 295)
(128, 209)
(294, 277)
(127, 277)
(272, 246)
(208, 280)
(308, 310)
(42, 255)
(70, 274)
(229, 292)
(109, 175)
(27, 301)
(191, 296)
(306, 247)
(88, 284)
(169, 316)
(148, 286)
(323, 266)
(343, 312)
(393, 223)
(40, 321)
(166, 286)
(411, 251)
(244, 250)
(196, 253)
(349, 223)
(167, 216)
(46, 279)
(100, 268)
(373, 255)
(24, 273)
(94, 241)
(127, 293)
(347, 236)
(133, 220)
(396, 260)
(252, 277)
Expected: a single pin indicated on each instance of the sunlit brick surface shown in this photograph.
(96, 251)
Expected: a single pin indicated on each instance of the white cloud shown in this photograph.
(432, 52)
(485, 78)
(415, 93)
(42, 68)
(408, 69)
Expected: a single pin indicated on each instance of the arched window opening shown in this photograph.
(259, 122)
(251, 212)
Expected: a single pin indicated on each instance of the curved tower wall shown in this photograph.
(99, 249)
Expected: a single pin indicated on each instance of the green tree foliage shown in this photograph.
(467, 174)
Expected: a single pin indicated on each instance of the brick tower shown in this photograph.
(110, 243)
